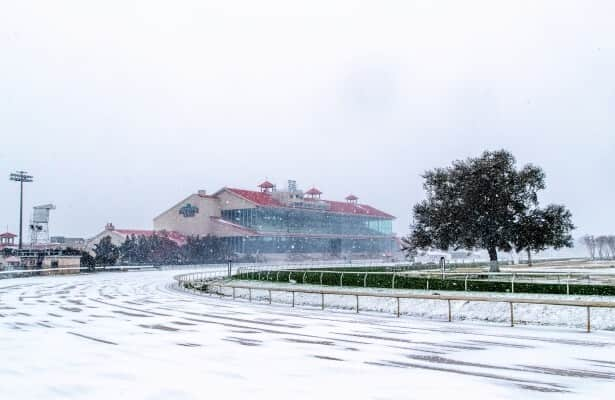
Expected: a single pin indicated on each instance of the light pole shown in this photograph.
(21, 177)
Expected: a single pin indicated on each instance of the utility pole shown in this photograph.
(21, 177)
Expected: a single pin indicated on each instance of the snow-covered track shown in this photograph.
(134, 335)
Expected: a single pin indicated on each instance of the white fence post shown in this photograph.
(512, 315)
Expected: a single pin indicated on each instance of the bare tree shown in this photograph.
(590, 242)
(603, 249)
(611, 243)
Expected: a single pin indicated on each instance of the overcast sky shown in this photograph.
(120, 109)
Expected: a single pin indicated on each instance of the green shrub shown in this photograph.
(353, 279)
(409, 282)
(380, 280)
(446, 284)
(487, 286)
(312, 277)
(595, 290)
(530, 287)
(295, 276)
(331, 278)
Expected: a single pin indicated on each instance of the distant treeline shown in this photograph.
(159, 250)
(600, 247)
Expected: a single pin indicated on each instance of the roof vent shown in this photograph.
(266, 186)
(202, 193)
(314, 193)
(351, 198)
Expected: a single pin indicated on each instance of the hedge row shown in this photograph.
(382, 280)
(381, 268)
(378, 268)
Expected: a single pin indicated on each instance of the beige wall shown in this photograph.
(199, 224)
(116, 239)
(63, 261)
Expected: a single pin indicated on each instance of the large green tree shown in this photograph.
(202, 249)
(106, 252)
(87, 261)
(129, 250)
(163, 251)
(476, 203)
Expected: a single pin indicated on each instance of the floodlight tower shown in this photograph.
(21, 177)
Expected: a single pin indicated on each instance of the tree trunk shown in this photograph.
(493, 260)
(529, 258)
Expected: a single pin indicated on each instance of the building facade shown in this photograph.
(289, 221)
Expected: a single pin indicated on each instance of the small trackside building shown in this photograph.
(283, 222)
(118, 236)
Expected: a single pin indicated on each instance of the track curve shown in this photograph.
(134, 335)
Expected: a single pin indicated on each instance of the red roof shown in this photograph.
(266, 185)
(260, 198)
(314, 192)
(354, 208)
(8, 235)
(267, 200)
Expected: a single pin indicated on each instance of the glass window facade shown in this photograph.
(282, 230)
(297, 221)
(285, 244)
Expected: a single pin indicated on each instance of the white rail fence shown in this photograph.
(203, 282)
